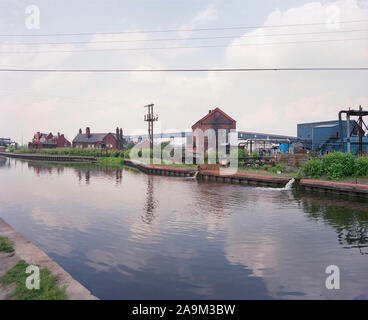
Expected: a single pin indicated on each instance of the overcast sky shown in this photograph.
(270, 102)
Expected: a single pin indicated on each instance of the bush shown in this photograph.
(313, 168)
(346, 160)
(361, 167)
(281, 167)
(335, 171)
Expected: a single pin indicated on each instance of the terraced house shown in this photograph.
(107, 140)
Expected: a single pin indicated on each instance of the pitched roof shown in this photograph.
(211, 113)
(93, 138)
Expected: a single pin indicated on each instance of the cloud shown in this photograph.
(271, 102)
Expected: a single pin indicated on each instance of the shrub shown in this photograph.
(281, 167)
(313, 168)
(265, 167)
(274, 170)
(346, 160)
(361, 167)
(335, 171)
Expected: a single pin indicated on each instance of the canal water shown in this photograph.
(127, 235)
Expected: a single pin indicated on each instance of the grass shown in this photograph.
(5, 245)
(266, 172)
(111, 162)
(48, 288)
(73, 152)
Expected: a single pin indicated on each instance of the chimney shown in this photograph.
(121, 134)
(38, 137)
(88, 133)
(58, 134)
(80, 131)
(209, 111)
(117, 133)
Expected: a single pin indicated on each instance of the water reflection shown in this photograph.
(125, 234)
(348, 218)
(150, 203)
(84, 172)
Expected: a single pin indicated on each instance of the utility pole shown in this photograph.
(150, 118)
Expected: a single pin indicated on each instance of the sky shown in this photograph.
(268, 102)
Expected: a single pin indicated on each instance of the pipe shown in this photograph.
(341, 131)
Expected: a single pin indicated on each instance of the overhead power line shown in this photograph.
(187, 39)
(187, 70)
(180, 47)
(176, 30)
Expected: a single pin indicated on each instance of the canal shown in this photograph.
(127, 235)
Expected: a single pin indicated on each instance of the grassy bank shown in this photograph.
(74, 152)
(111, 162)
(5, 245)
(48, 289)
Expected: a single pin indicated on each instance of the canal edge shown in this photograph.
(27, 251)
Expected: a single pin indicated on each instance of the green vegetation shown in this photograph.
(110, 162)
(335, 166)
(48, 288)
(74, 152)
(5, 245)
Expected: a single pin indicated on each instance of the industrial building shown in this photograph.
(325, 136)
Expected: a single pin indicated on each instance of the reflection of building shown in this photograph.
(48, 141)
(215, 119)
(99, 140)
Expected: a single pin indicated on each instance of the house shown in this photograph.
(215, 119)
(48, 141)
(107, 140)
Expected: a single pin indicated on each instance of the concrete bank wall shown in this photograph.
(337, 187)
(25, 250)
(42, 157)
(240, 178)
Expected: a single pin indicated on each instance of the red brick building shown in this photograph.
(107, 140)
(215, 119)
(48, 141)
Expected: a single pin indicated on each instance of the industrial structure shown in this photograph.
(150, 118)
(336, 135)
(6, 143)
(99, 140)
(358, 124)
(215, 119)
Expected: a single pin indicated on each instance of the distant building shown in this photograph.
(215, 119)
(324, 136)
(107, 140)
(48, 141)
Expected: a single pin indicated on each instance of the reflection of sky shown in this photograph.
(129, 235)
